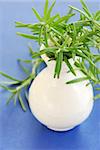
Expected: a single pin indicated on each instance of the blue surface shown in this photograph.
(19, 130)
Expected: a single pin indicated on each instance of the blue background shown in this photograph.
(19, 130)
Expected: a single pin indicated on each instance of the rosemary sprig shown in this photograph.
(15, 86)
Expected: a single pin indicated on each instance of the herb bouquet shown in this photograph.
(61, 96)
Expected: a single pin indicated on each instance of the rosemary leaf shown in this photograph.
(15, 99)
(97, 59)
(27, 36)
(69, 65)
(97, 97)
(46, 50)
(37, 14)
(10, 98)
(57, 32)
(77, 80)
(25, 61)
(52, 19)
(40, 34)
(45, 8)
(64, 18)
(8, 77)
(45, 37)
(9, 83)
(80, 11)
(85, 8)
(7, 88)
(21, 102)
(58, 66)
(26, 71)
(30, 50)
(21, 25)
(97, 15)
(50, 10)
(97, 88)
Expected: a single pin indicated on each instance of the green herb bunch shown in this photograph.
(69, 39)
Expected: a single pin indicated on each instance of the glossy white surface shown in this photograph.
(57, 105)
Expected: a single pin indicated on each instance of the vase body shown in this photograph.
(58, 105)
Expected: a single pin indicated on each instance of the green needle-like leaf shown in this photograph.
(9, 83)
(46, 37)
(57, 32)
(21, 25)
(80, 11)
(25, 61)
(10, 98)
(37, 14)
(69, 65)
(7, 88)
(29, 36)
(52, 19)
(97, 89)
(46, 50)
(30, 50)
(97, 59)
(21, 103)
(85, 8)
(77, 80)
(45, 8)
(64, 18)
(15, 99)
(23, 68)
(97, 15)
(50, 10)
(85, 57)
(58, 66)
(8, 77)
(70, 11)
(40, 35)
(97, 96)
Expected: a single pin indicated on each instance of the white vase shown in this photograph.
(58, 105)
